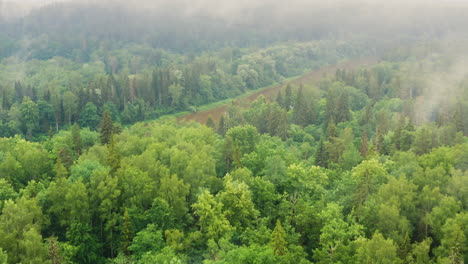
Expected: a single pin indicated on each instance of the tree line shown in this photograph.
(320, 174)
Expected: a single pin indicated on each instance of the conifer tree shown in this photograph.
(301, 112)
(60, 170)
(321, 155)
(407, 136)
(378, 141)
(113, 156)
(210, 123)
(127, 233)
(288, 98)
(364, 144)
(279, 99)
(458, 119)
(278, 240)
(399, 133)
(107, 127)
(54, 251)
(222, 126)
(76, 138)
(331, 130)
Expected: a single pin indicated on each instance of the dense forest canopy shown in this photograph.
(349, 164)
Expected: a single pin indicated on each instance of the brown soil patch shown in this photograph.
(311, 77)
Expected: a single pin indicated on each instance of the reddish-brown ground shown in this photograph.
(311, 77)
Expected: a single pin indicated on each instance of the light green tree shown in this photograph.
(211, 219)
(237, 204)
(278, 240)
(377, 250)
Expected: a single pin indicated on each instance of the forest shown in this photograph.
(364, 164)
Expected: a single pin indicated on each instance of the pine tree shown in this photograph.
(458, 119)
(343, 109)
(113, 155)
(60, 170)
(279, 99)
(364, 144)
(54, 251)
(278, 240)
(331, 130)
(222, 126)
(407, 136)
(210, 123)
(378, 141)
(107, 128)
(300, 114)
(5, 102)
(399, 134)
(321, 155)
(288, 98)
(66, 157)
(127, 233)
(76, 138)
(155, 94)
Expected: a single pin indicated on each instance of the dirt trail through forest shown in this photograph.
(311, 77)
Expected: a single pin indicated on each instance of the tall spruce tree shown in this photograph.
(107, 128)
(210, 123)
(301, 113)
(222, 126)
(364, 144)
(54, 251)
(113, 155)
(288, 98)
(321, 155)
(278, 240)
(280, 99)
(76, 138)
(127, 233)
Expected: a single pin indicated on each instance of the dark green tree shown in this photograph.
(364, 144)
(29, 116)
(76, 136)
(127, 233)
(301, 114)
(210, 123)
(279, 99)
(113, 155)
(222, 126)
(288, 98)
(106, 128)
(321, 155)
(89, 116)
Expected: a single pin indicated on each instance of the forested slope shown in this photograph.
(364, 165)
(347, 171)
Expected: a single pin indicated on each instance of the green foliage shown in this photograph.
(3, 257)
(21, 221)
(240, 141)
(237, 204)
(106, 128)
(211, 219)
(89, 116)
(337, 173)
(87, 246)
(148, 240)
(336, 236)
(377, 250)
(278, 240)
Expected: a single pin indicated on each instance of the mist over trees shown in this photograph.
(243, 131)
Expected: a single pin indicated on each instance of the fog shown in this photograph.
(191, 26)
(292, 11)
